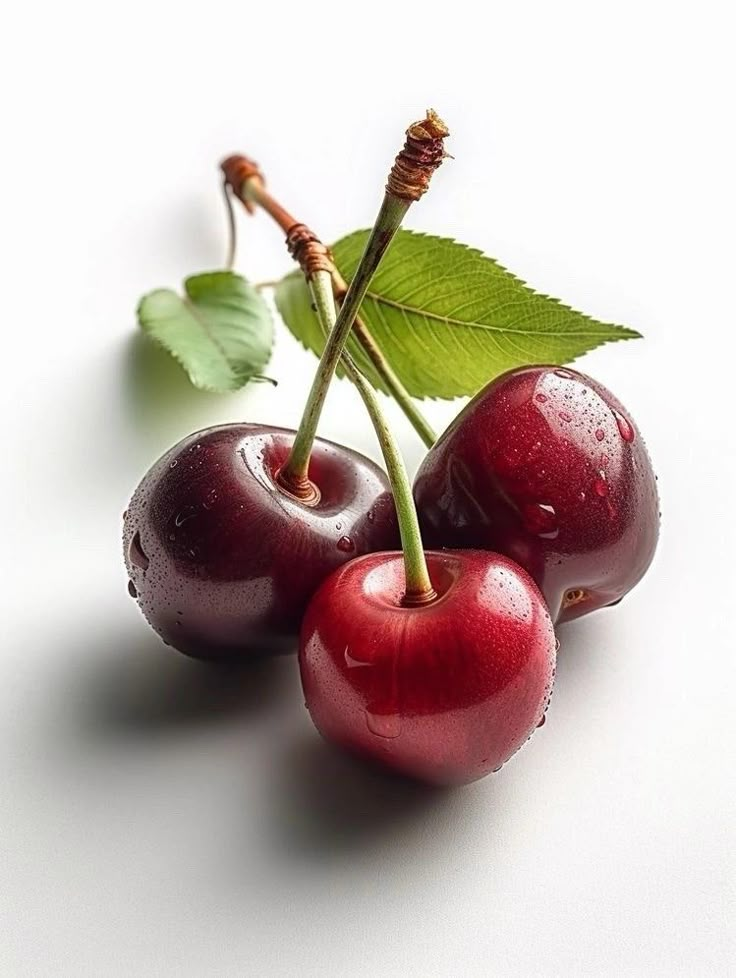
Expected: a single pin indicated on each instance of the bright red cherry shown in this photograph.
(546, 466)
(223, 560)
(444, 692)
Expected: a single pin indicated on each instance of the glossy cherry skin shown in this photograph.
(445, 692)
(546, 466)
(223, 561)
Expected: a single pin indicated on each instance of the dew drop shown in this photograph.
(565, 416)
(338, 526)
(371, 516)
(625, 429)
(132, 590)
(600, 434)
(136, 553)
(386, 725)
(541, 518)
(601, 486)
(352, 663)
(565, 374)
(172, 536)
(210, 499)
(125, 514)
(345, 544)
(542, 721)
(174, 463)
(541, 398)
(188, 513)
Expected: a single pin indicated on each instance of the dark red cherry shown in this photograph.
(546, 466)
(223, 561)
(443, 692)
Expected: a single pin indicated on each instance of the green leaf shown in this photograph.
(220, 330)
(447, 317)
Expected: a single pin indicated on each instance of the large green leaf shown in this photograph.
(220, 330)
(447, 317)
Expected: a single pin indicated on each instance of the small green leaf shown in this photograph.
(447, 317)
(220, 330)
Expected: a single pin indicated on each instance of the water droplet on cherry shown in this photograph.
(352, 663)
(565, 416)
(136, 553)
(601, 486)
(345, 544)
(132, 590)
(625, 428)
(541, 398)
(565, 374)
(188, 513)
(386, 725)
(541, 518)
(600, 434)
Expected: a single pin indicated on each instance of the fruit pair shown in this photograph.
(543, 466)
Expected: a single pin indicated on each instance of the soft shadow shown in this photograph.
(136, 687)
(327, 803)
(583, 644)
(157, 390)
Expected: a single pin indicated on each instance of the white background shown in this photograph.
(158, 821)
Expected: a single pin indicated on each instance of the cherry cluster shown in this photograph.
(539, 504)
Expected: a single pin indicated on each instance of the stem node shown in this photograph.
(237, 170)
(308, 251)
(423, 152)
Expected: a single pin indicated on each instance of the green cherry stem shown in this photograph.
(386, 372)
(418, 588)
(408, 180)
(247, 183)
(295, 472)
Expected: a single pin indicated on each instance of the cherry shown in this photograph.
(444, 691)
(223, 560)
(546, 466)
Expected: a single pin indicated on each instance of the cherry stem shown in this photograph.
(295, 472)
(407, 182)
(232, 237)
(386, 372)
(253, 191)
(418, 590)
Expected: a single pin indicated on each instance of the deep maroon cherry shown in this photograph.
(444, 691)
(223, 560)
(546, 466)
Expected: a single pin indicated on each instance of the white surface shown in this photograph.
(156, 824)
